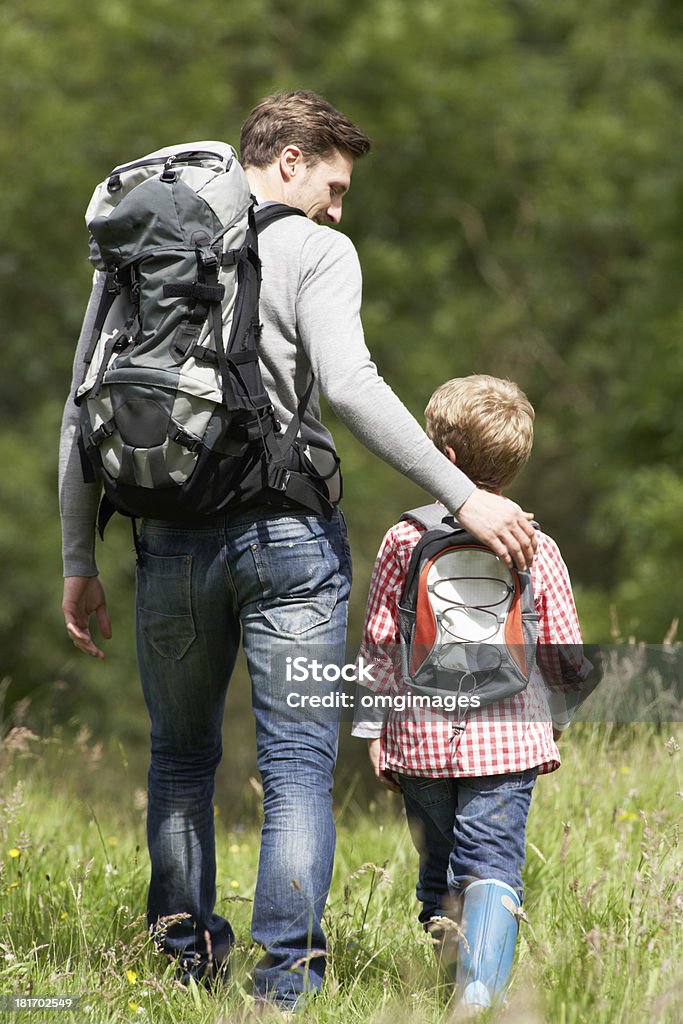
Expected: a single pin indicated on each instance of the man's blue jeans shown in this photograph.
(466, 829)
(279, 582)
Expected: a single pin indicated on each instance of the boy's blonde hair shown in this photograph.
(489, 424)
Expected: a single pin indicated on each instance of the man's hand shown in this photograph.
(386, 778)
(84, 595)
(501, 525)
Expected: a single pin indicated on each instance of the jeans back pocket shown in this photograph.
(165, 603)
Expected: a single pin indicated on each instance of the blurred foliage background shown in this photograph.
(521, 214)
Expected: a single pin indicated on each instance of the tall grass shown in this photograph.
(603, 896)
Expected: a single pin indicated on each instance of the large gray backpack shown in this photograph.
(467, 623)
(175, 418)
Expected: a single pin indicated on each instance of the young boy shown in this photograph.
(467, 783)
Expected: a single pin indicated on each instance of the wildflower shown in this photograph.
(132, 977)
(133, 1006)
(374, 870)
(564, 848)
(64, 915)
(14, 852)
(627, 816)
(538, 853)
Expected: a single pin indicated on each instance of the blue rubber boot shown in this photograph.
(487, 948)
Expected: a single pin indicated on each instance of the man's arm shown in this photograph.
(78, 502)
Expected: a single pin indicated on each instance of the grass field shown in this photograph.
(603, 895)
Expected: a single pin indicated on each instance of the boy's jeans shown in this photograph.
(466, 829)
(281, 582)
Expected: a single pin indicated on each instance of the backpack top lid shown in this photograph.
(209, 169)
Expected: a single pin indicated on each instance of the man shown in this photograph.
(280, 577)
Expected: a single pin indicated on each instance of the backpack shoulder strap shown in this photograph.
(439, 525)
(270, 212)
(432, 517)
(295, 485)
(435, 517)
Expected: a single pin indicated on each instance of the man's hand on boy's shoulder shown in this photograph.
(502, 525)
(386, 778)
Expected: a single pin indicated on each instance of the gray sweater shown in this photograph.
(310, 308)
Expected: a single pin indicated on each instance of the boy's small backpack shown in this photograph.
(175, 418)
(467, 623)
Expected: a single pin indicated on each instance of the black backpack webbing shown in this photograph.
(295, 485)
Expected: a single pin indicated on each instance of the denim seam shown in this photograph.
(225, 566)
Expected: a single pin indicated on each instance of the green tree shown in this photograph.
(521, 214)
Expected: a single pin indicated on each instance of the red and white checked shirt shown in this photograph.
(508, 736)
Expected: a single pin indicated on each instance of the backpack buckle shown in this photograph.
(278, 478)
(113, 284)
(168, 174)
(277, 426)
(184, 437)
(208, 258)
(104, 431)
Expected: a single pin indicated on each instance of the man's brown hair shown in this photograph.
(489, 424)
(300, 119)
